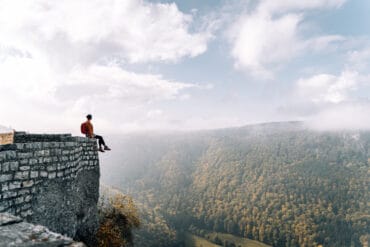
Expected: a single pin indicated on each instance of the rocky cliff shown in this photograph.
(52, 180)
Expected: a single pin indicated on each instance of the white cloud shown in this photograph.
(109, 91)
(326, 88)
(62, 59)
(114, 82)
(354, 116)
(293, 5)
(271, 35)
(359, 59)
(133, 30)
(258, 40)
(331, 102)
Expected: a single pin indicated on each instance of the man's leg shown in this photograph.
(100, 140)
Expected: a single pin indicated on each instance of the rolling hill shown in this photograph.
(281, 184)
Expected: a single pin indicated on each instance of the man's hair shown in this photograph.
(89, 116)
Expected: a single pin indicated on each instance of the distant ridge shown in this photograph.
(262, 128)
(275, 125)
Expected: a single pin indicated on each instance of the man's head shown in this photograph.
(89, 117)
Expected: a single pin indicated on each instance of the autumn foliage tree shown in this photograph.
(118, 217)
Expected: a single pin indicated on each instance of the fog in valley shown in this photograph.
(237, 123)
(282, 184)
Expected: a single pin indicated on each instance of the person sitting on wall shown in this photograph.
(88, 130)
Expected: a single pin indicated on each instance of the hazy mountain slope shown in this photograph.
(277, 183)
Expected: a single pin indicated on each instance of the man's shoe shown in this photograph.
(101, 150)
(107, 148)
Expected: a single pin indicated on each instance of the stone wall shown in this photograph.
(52, 180)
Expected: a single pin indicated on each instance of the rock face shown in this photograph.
(15, 232)
(52, 180)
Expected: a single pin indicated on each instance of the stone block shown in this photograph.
(33, 161)
(52, 167)
(10, 155)
(52, 175)
(40, 153)
(70, 144)
(4, 187)
(53, 144)
(24, 168)
(22, 175)
(27, 184)
(14, 185)
(5, 167)
(46, 145)
(25, 155)
(28, 198)
(19, 200)
(47, 160)
(9, 194)
(65, 158)
(2, 156)
(43, 174)
(34, 145)
(6, 177)
(3, 206)
(24, 162)
(34, 174)
(19, 145)
(13, 165)
(24, 192)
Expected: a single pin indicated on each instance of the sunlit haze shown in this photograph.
(180, 65)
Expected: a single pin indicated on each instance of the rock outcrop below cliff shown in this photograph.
(15, 232)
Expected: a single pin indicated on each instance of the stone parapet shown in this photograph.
(51, 180)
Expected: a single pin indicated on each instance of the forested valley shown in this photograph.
(280, 183)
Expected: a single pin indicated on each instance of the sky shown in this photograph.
(140, 65)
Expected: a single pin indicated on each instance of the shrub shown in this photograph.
(118, 216)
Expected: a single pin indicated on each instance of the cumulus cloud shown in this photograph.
(331, 102)
(61, 59)
(269, 36)
(359, 59)
(114, 82)
(292, 5)
(133, 30)
(326, 88)
(110, 91)
(345, 116)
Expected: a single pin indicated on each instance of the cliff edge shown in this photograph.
(52, 180)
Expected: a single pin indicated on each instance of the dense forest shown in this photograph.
(279, 183)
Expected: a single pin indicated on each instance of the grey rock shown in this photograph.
(14, 232)
(69, 206)
(6, 219)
